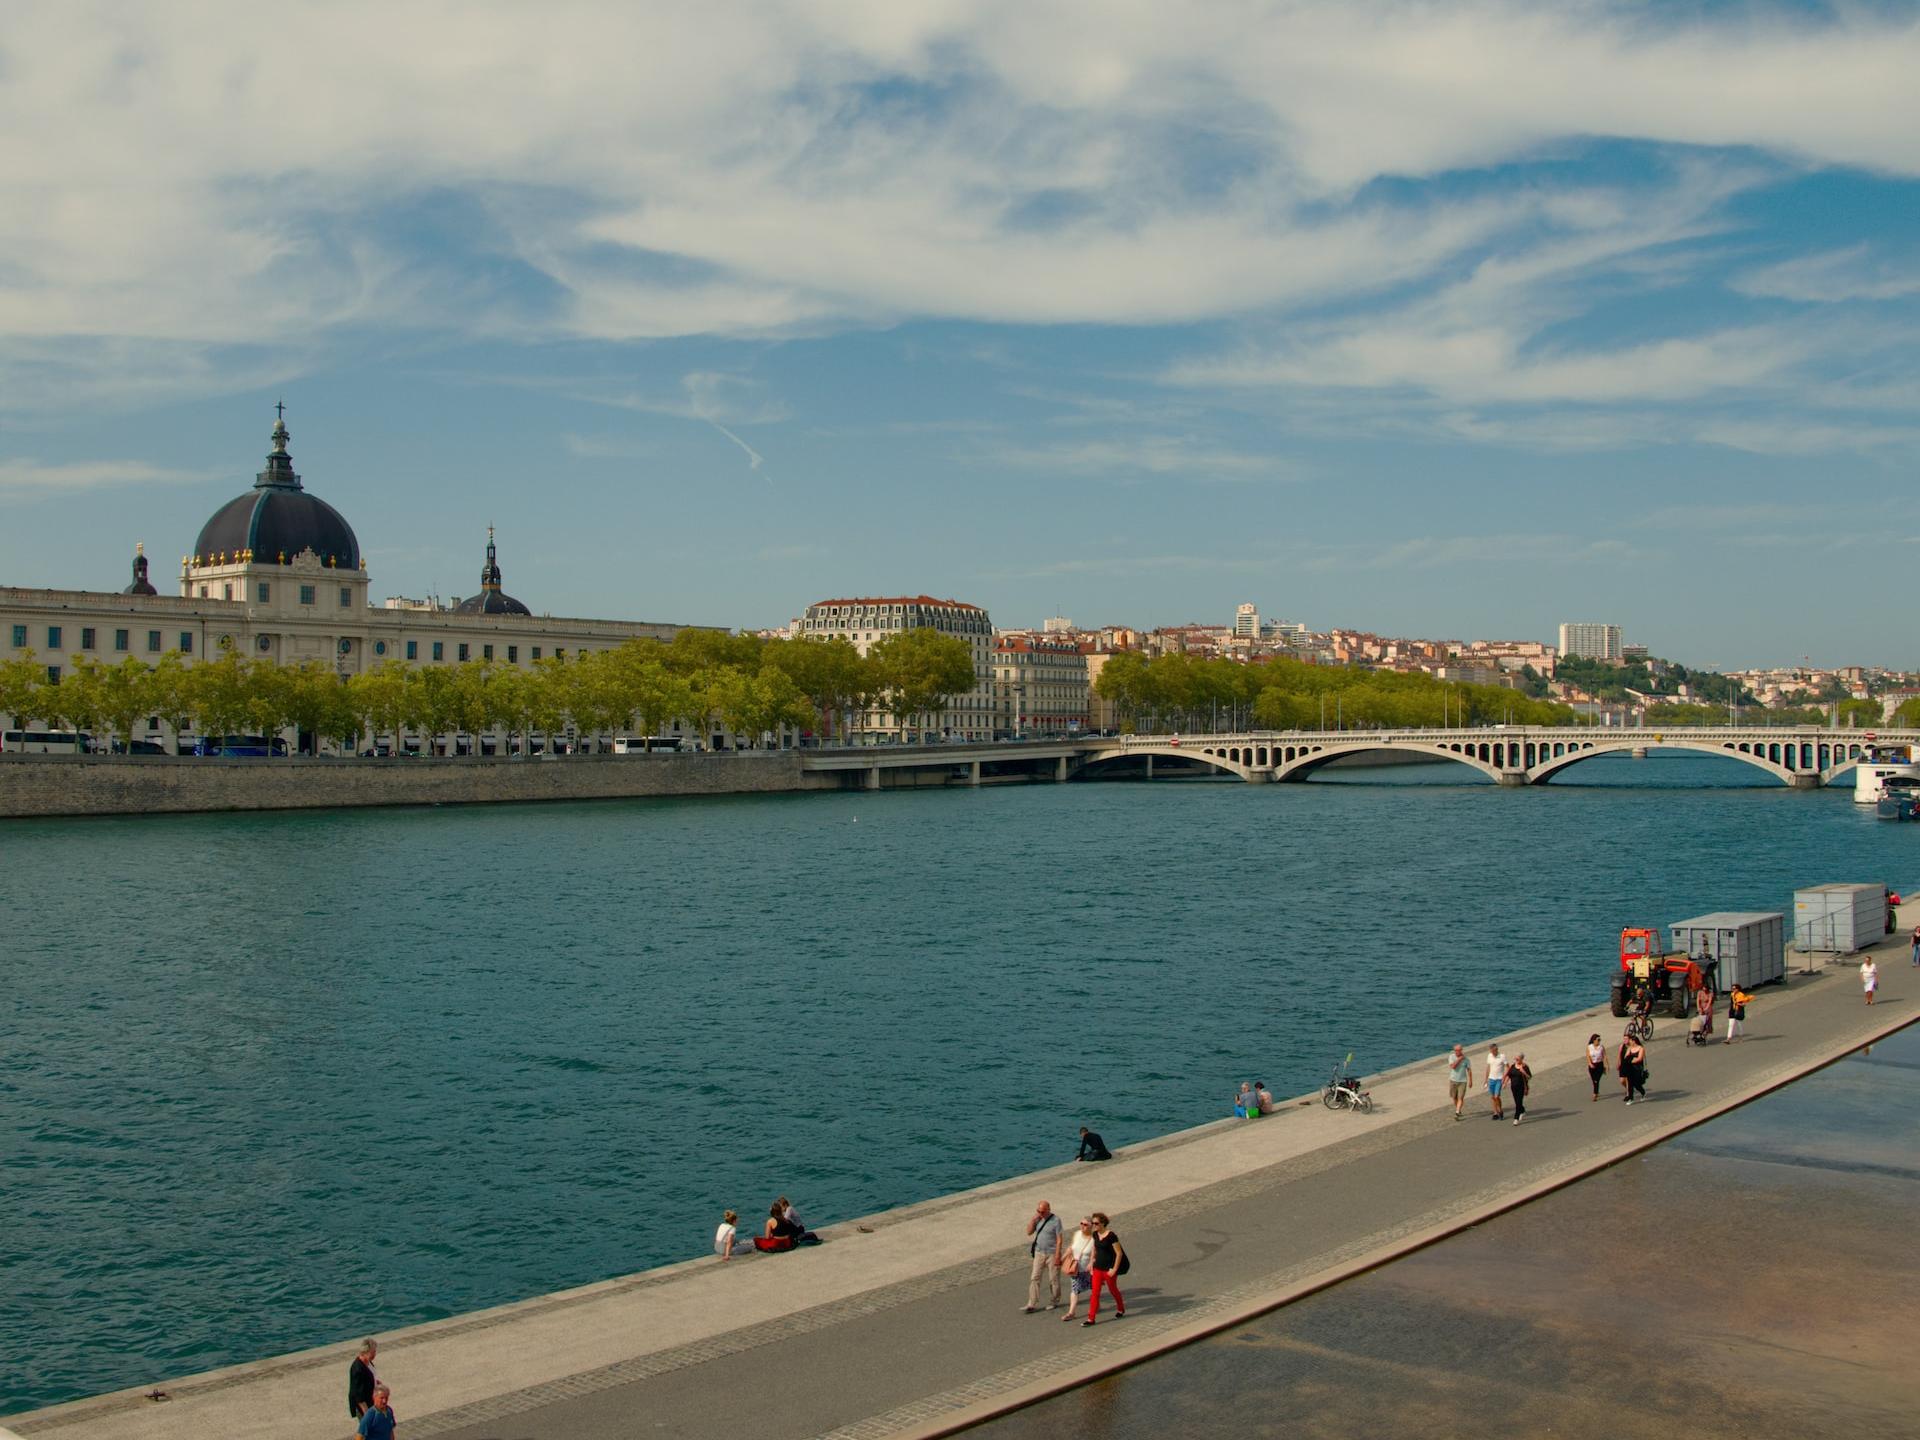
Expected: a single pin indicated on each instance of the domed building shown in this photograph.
(277, 520)
(277, 574)
(491, 600)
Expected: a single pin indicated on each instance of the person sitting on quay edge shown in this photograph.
(1264, 1096)
(361, 1380)
(780, 1233)
(801, 1235)
(724, 1237)
(1246, 1104)
(1092, 1147)
(379, 1423)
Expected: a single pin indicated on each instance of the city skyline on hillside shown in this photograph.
(1459, 319)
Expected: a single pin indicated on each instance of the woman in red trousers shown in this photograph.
(1108, 1256)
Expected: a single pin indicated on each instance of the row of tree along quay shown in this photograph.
(746, 685)
(1181, 692)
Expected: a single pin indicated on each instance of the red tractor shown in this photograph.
(1672, 979)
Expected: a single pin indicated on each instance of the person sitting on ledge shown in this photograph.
(1264, 1096)
(1246, 1104)
(780, 1233)
(1092, 1147)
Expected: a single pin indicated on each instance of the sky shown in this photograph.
(1448, 320)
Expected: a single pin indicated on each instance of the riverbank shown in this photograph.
(1224, 1221)
(49, 785)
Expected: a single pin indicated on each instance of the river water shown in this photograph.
(277, 1080)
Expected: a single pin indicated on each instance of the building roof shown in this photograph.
(491, 600)
(276, 520)
(896, 600)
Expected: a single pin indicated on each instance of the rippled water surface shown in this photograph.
(273, 1081)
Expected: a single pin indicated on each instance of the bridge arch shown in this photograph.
(1753, 753)
(1218, 757)
(1297, 762)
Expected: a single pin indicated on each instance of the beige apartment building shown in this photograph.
(1041, 685)
(866, 621)
(277, 573)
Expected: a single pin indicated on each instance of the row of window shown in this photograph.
(122, 639)
(465, 651)
(263, 593)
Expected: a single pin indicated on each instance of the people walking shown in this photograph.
(1916, 945)
(1737, 1002)
(1596, 1062)
(1519, 1078)
(724, 1237)
(1092, 1147)
(1496, 1079)
(378, 1423)
(1869, 977)
(1633, 1067)
(1459, 1079)
(1043, 1253)
(1109, 1263)
(361, 1380)
(1078, 1265)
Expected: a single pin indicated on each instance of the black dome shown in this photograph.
(491, 600)
(276, 520)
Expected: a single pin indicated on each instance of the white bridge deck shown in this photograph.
(1805, 757)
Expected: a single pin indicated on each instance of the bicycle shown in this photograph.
(1640, 1027)
(1343, 1091)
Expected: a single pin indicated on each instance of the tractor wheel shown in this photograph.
(1619, 1002)
(1680, 1005)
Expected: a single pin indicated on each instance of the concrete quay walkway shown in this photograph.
(908, 1323)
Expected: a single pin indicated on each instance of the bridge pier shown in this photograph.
(1513, 778)
(1639, 752)
(873, 777)
(973, 773)
(1060, 771)
(1149, 767)
(1804, 780)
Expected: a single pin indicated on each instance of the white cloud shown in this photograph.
(1158, 455)
(1833, 276)
(27, 478)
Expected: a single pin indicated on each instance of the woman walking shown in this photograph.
(1078, 1262)
(1633, 1068)
(1869, 977)
(1519, 1077)
(1596, 1062)
(1736, 1013)
(1109, 1255)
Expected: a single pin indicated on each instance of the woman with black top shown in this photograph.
(1519, 1077)
(1633, 1068)
(1108, 1256)
(1596, 1062)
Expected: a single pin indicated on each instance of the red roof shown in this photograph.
(896, 600)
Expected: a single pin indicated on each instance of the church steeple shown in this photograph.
(141, 585)
(490, 572)
(279, 472)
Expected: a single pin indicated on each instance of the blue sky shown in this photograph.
(1445, 320)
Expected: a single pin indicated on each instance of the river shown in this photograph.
(278, 1080)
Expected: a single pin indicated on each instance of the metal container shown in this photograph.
(1839, 919)
(1749, 947)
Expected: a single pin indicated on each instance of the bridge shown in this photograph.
(1803, 756)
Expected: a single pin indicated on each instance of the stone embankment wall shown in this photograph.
(34, 785)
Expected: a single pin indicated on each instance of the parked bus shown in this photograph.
(645, 744)
(46, 742)
(250, 746)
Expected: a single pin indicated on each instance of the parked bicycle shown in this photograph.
(1343, 1090)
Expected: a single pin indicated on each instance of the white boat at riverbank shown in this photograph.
(1877, 766)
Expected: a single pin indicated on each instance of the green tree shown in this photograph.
(217, 694)
(23, 685)
(1907, 716)
(832, 673)
(1863, 714)
(920, 670)
(126, 693)
(82, 701)
(379, 697)
(172, 687)
(316, 701)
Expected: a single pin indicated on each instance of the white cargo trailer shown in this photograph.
(1748, 947)
(1839, 919)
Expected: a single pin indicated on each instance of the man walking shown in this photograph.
(1459, 1079)
(378, 1423)
(1092, 1147)
(1496, 1078)
(1043, 1248)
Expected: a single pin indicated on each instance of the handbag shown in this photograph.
(1126, 1263)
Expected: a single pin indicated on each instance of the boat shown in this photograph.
(1899, 798)
(1878, 764)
